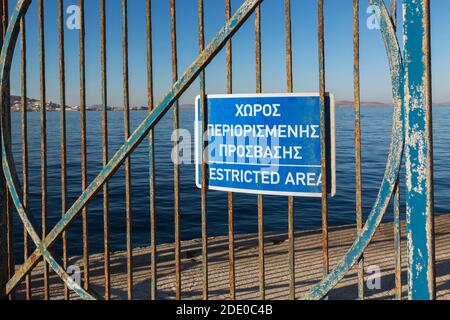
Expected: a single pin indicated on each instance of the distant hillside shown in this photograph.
(35, 105)
(349, 103)
(342, 103)
(441, 104)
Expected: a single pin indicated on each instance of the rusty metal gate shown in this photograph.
(411, 140)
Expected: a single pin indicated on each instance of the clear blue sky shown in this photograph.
(375, 82)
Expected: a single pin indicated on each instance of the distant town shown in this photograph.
(34, 105)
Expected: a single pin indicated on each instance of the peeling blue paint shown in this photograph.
(418, 151)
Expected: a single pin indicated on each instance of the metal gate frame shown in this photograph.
(411, 135)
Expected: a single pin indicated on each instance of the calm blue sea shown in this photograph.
(376, 132)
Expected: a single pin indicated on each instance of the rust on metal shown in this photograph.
(323, 141)
(43, 121)
(8, 207)
(419, 151)
(229, 76)
(150, 98)
(62, 90)
(23, 53)
(397, 225)
(176, 169)
(262, 276)
(291, 200)
(204, 166)
(394, 13)
(105, 157)
(357, 102)
(126, 107)
(83, 132)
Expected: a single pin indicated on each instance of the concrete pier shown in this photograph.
(308, 267)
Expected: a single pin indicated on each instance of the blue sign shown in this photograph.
(265, 144)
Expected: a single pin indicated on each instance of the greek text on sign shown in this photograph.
(266, 144)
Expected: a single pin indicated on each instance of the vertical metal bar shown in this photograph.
(419, 150)
(176, 168)
(229, 71)
(397, 225)
(43, 137)
(204, 117)
(105, 157)
(9, 205)
(291, 203)
(83, 144)
(357, 101)
(4, 18)
(126, 102)
(323, 140)
(151, 102)
(3, 221)
(262, 284)
(394, 13)
(23, 58)
(397, 244)
(62, 89)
